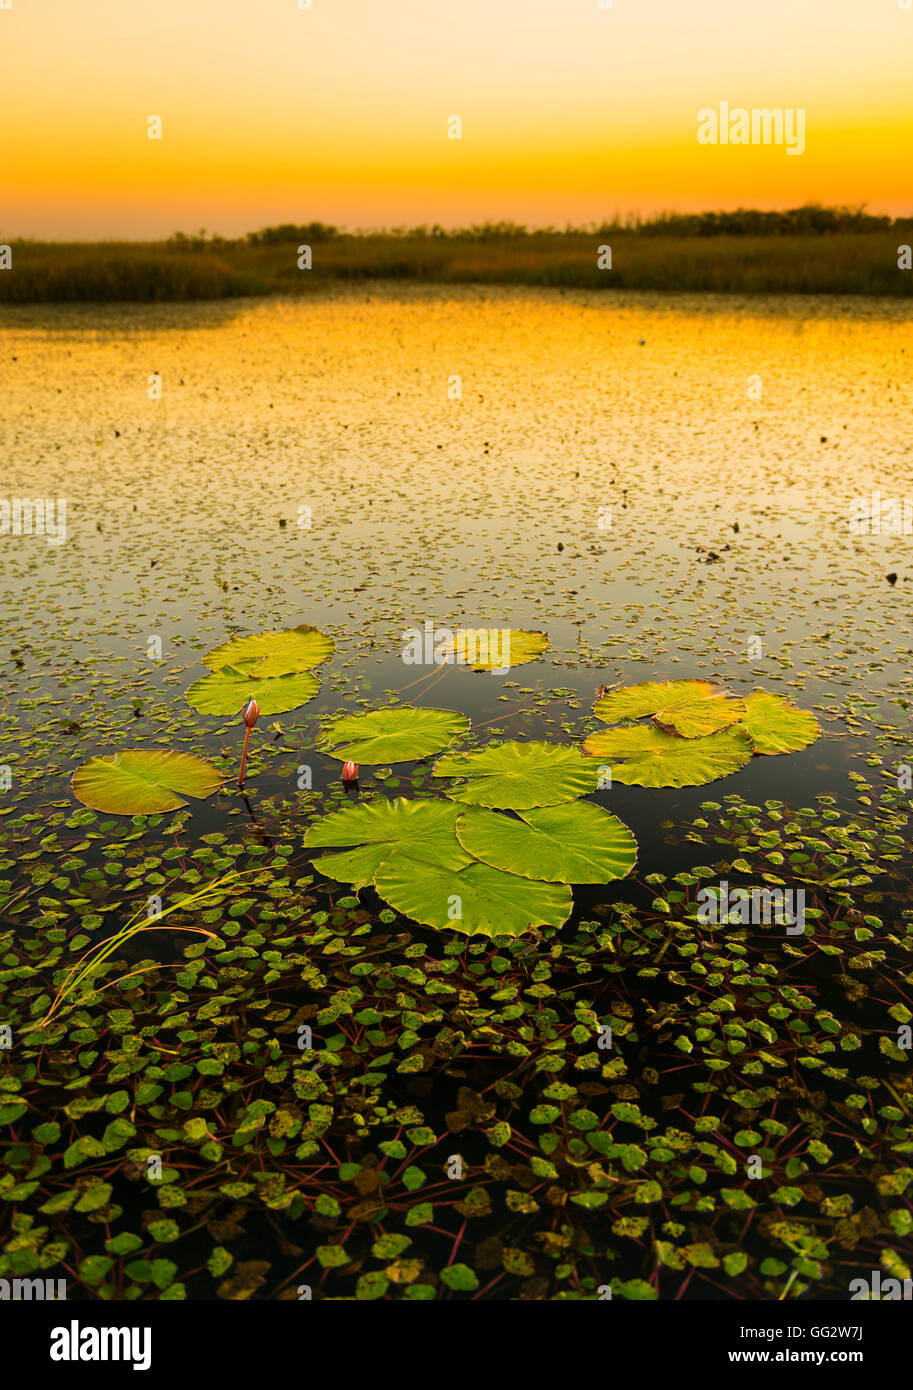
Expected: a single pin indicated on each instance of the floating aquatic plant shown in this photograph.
(517, 776)
(697, 713)
(574, 843)
(369, 833)
(691, 709)
(275, 668)
(491, 649)
(83, 976)
(144, 781)
(478, 872)
(776, 726)
(225, 690)
(266, 654)
(476, 901)
(646, 757)
(393, 734)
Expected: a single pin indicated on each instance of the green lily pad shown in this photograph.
(477, 900)
(394, 734)
(516, 776)
(637, 701)
(226, 690)
(701, 718)
(776, 726)
(496, 649)
(574, 843)
(691, 709)
(266, 654)
(425, 831)
(144, 782)
(646, 757)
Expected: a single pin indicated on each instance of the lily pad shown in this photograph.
(776, 726)
(646, 757)
(515, 776)
(691, 709)
(477, 901)
(266, 654)
(226, 690)
(425, 831)
(701, 718)
(496, 649)
(637, 701)
(144, 782)
(574, 843)
(394, 734)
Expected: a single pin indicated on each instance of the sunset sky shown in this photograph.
(570, 113)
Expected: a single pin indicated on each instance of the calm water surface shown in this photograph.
(609, 474)
(663, 485)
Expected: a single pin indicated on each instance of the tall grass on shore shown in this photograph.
(806, 251)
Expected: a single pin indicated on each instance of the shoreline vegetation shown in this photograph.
(808, 250)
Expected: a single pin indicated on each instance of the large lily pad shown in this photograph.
(691, 709)
(646, 757)
(143, 782)
(265, 654)
(478, 900)
(497, 649)
(226, 690)
(637, 701)
(394, 734)
(575, 843)
(776, 726)
(370, 832)
(701, 718)
(516, 776)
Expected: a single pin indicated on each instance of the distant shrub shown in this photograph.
(308, 233)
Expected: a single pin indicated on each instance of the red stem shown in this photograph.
(243, 758)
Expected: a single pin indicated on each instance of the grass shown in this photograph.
(841, 262)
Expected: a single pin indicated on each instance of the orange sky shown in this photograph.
(569, 112)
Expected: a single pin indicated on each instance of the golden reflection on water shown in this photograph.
(482, 455)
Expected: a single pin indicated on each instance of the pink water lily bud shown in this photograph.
(350, 772)
(250, 712)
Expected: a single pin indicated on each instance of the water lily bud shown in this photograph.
(350, 772)
(250, 712)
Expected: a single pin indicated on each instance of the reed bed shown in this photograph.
(839, 263)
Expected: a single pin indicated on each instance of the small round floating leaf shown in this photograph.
(574, 843)
(646, 757)
(516, 776)
(144, 782)
(225, 691)
(776, 726)
(496, 649)
(489, 902)
(372, 830)
(636, 701)
(264, 654)
(394, 734)
(701, 718)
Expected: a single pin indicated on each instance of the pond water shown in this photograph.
(665, 486)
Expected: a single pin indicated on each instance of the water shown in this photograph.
(662, 484)
(601, 454)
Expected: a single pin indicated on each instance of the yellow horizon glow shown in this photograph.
(570, 113)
